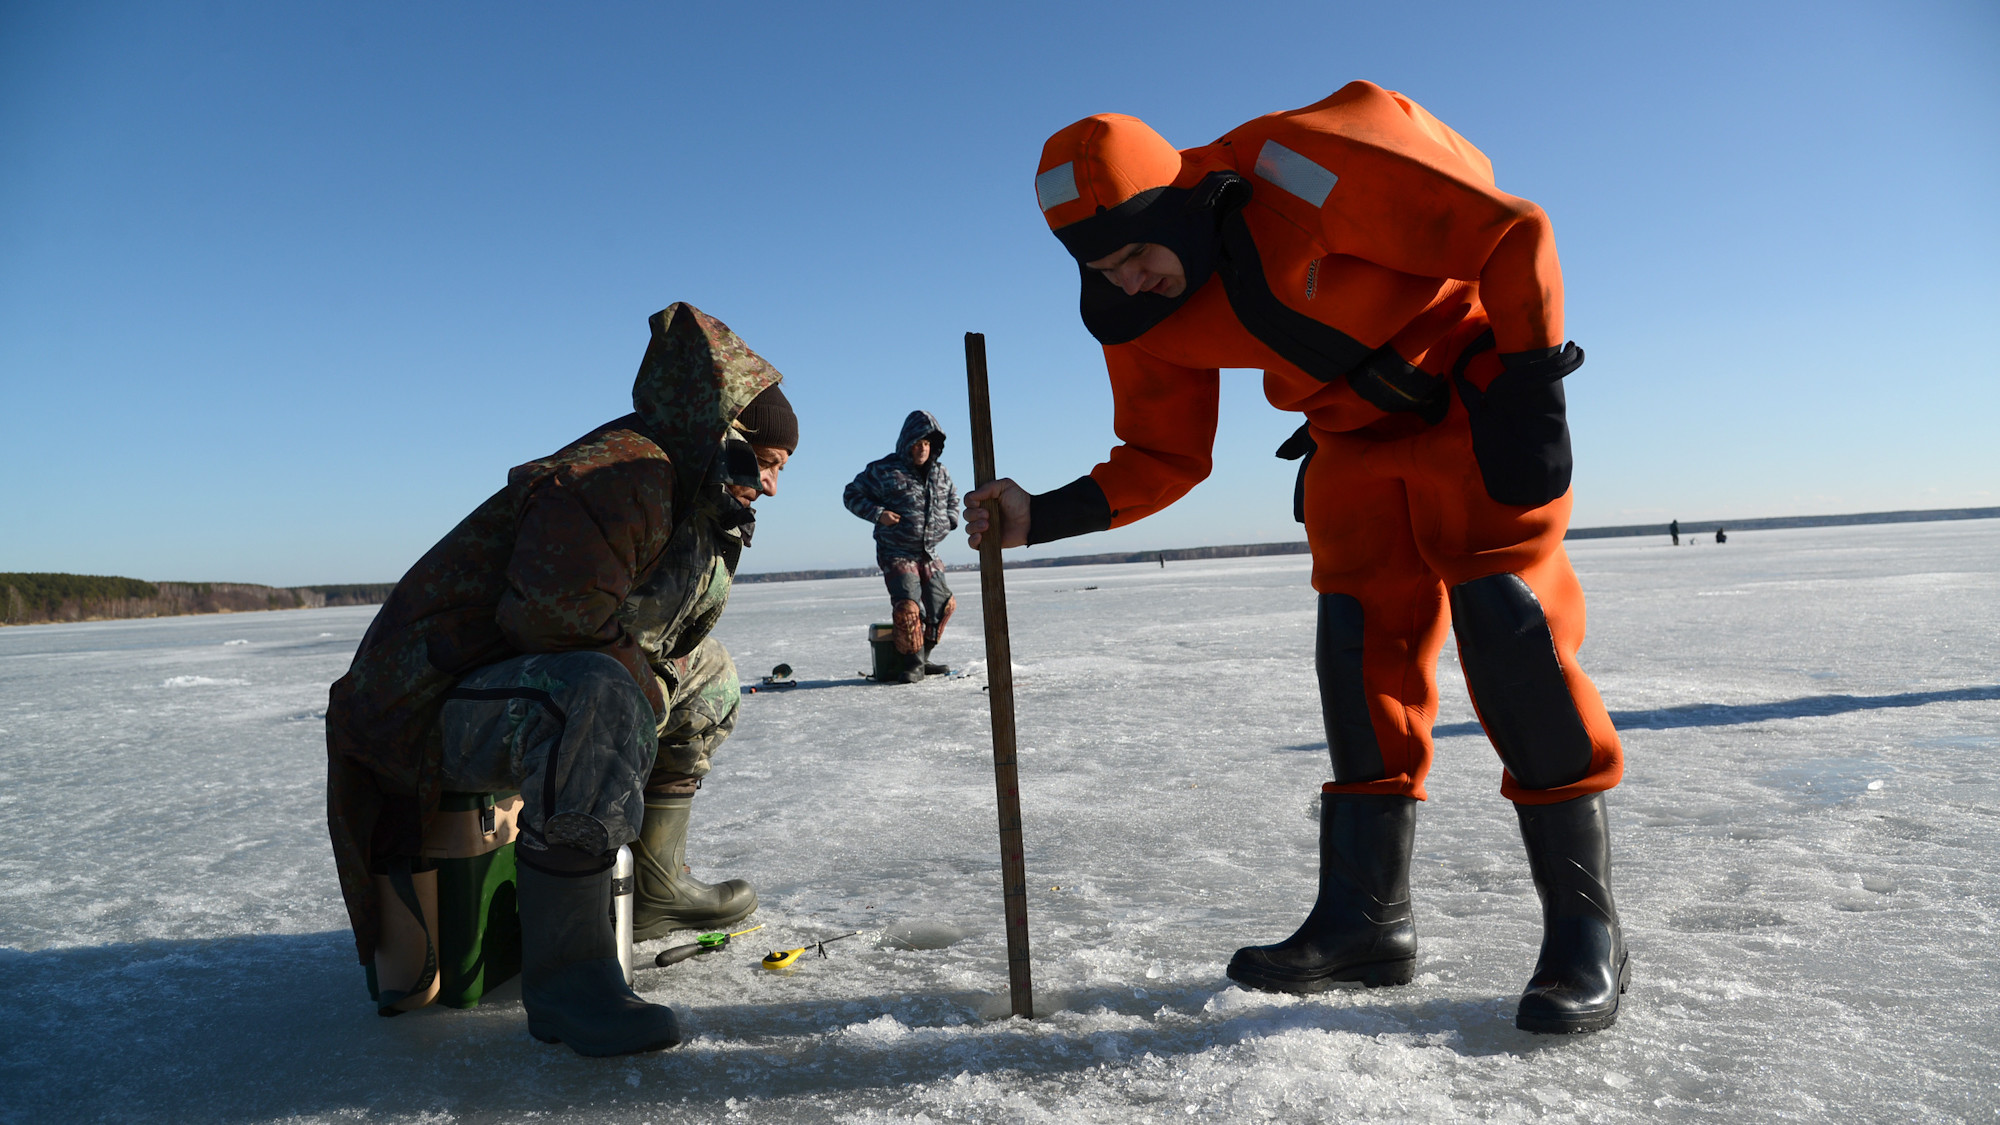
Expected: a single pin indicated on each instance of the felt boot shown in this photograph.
(1583, 967)
(667, 897)
(1360, 930)
(571, 982)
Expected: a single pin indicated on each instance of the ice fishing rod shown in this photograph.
(706, 943)
(786, 958)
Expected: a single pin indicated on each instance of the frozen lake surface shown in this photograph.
(1804, 854)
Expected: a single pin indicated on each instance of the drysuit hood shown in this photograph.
(1110, 180)
(918, 426)
(696, 377)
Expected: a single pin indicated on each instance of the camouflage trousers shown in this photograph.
(702, 694)
(919, 599)
(576, 736)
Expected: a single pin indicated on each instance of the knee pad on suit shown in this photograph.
(1516, 680)
(1350, 733)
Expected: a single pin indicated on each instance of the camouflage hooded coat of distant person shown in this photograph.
(923, 496)
(624, 543)
(925, 504)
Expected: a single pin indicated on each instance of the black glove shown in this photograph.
(1534, 368)
(1520, 426)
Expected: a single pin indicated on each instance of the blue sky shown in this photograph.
(285, 288)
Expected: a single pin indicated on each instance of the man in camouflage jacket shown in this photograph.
(557, 642)
(909, 498)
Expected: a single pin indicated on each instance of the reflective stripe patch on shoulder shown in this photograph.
(1295, 173)
(1056, 186)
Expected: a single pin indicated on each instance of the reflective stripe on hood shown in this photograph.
(1109, 181)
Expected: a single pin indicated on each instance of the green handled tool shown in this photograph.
(706, 943)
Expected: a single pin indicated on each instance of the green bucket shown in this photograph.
(889, 664)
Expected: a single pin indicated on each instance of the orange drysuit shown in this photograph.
(1358, 252)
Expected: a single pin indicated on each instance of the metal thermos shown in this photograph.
(622, 885)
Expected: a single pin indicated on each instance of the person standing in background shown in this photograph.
(909, 497)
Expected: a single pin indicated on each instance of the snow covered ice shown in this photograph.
(1804, 855)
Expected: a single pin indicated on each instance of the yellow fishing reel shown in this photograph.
(782, 958)
(786, 958)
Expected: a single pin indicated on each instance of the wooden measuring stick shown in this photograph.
(1000, 688)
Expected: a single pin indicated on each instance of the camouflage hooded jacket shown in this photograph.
(623, 542)
(921, 494)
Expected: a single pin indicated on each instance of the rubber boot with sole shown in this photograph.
(1360, 930)
(934, 669)
(1583, 966)
(667, 898)
(571, 982)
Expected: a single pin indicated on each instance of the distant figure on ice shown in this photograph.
(1358, 252)
(909, 497)
(1721, 536)
(1674, 529)
(556, 642)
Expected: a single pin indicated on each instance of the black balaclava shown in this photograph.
(1184, 220)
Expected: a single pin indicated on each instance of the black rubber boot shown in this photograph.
(1360, 930)
(931, 669)
(571, 982)
(913, 668)
(1583, 967)
(667, 898)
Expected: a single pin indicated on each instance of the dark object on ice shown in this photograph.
(779, 680)
(674, 955)
(931, 667)
(1674, 529)
(1721, 536)
(1584, 966)
(571, 982)
(1361, 929)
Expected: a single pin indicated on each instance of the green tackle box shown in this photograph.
(889, 663)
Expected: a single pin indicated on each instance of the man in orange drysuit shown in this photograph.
(1358, 252)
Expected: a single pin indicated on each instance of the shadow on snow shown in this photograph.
(1730, 714)
(261, 1026)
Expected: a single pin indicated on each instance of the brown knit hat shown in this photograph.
(770, 421)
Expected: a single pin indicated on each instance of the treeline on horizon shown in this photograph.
(41, 599)
(36, 599)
